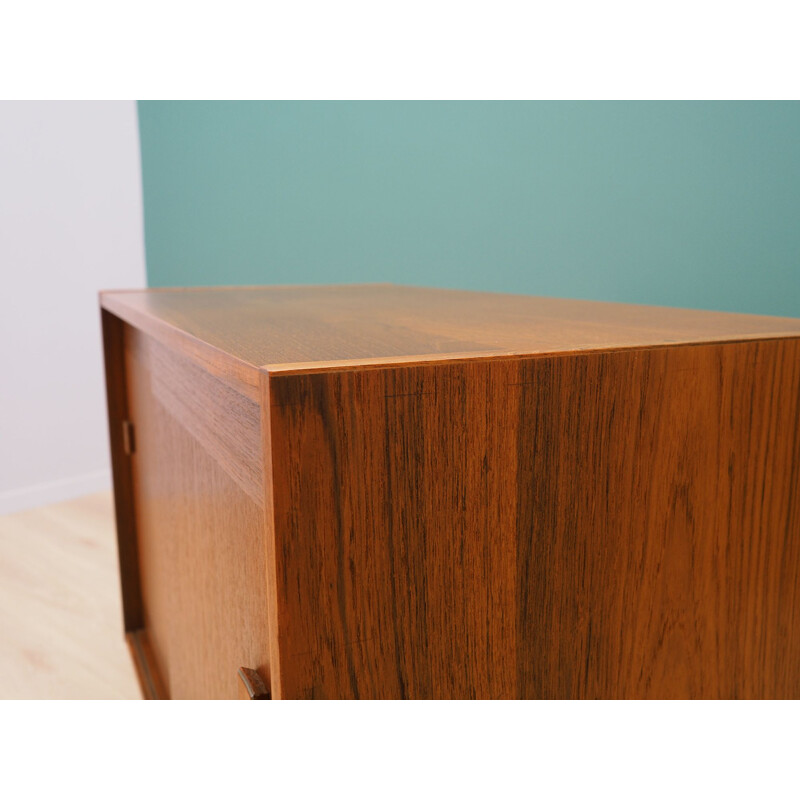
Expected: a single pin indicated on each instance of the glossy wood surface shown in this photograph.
(284, 327)
(226, 424)
(617, 525)
(389, 492)
(200, 540)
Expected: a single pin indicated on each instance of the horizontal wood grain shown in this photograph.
(617, 525)
(238, 374)
(201, 545)
(222, 421)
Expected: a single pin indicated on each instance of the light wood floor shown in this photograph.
(60, 611)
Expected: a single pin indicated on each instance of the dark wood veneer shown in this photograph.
(386, 492)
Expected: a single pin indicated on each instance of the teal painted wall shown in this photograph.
(684, 204)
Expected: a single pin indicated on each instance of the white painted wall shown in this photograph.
(70, 225)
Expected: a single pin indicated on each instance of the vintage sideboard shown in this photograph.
(381, 491)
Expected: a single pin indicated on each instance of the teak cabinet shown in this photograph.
(391, 492)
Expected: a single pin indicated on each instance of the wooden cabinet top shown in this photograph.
(304, 328)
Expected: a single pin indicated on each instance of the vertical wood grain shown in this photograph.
(380, 512)
(659, 554)
(620, 524)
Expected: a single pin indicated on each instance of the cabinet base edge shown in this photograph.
(144, 663)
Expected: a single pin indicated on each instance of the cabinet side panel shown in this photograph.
(619, 524)
(200, 531)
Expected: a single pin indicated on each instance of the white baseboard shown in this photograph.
(43, 494)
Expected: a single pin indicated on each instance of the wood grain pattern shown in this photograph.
(218, 362)
(225, 423)
(621, 524)
(228, 329)
(385, 492)
(201, 549)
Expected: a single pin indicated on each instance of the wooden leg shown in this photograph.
(251, 686)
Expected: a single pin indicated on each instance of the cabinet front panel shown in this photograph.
(199, 526)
